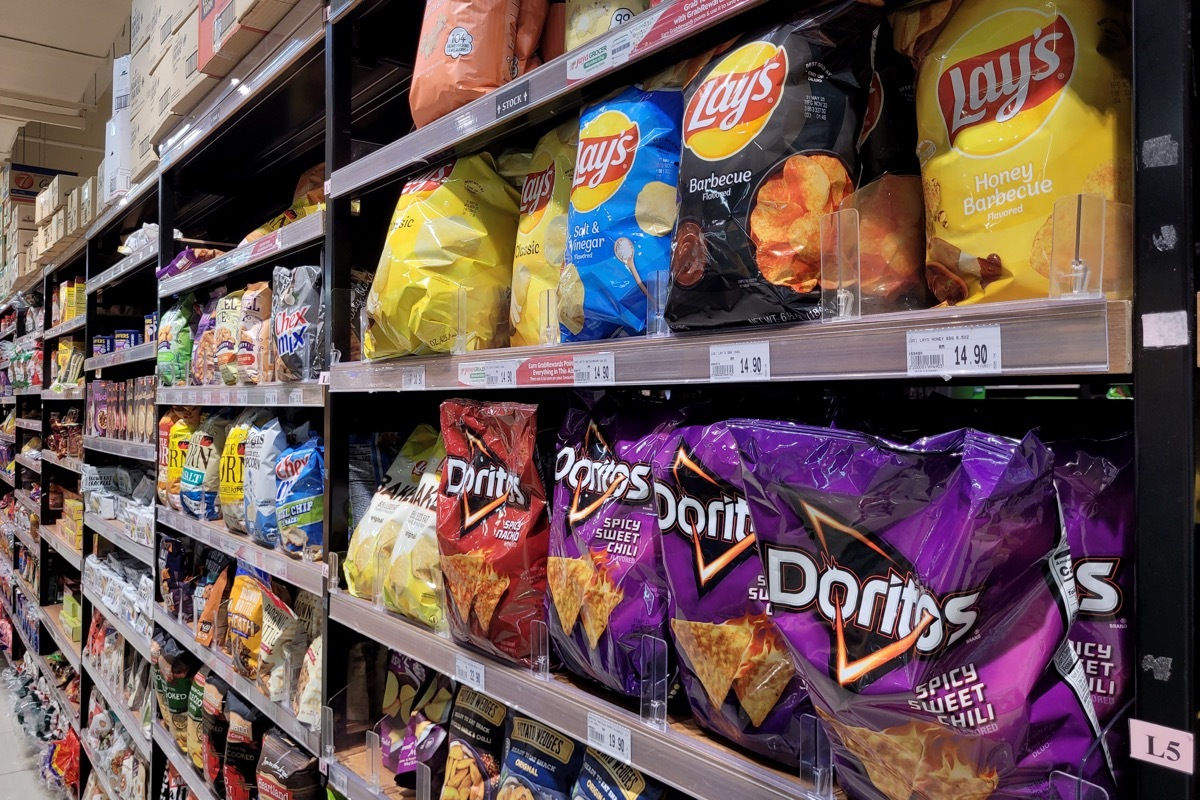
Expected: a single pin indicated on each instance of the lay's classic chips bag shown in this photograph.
(450, 243)
(542, 236)
(1019, 104)
(622, 213)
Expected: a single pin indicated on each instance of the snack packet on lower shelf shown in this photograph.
(476, 751)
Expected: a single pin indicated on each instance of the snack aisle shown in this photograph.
(234, 390)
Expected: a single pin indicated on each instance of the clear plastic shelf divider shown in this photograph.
(1090, 237)
(334, 574)
(1071, 787)
(460, 336)
(424, 781)
(655, 685)
(381, 567)
(373, 760)
(840, 267)
(539, 661)
(327, 733)
(549, 333)
(816, 757)
(656, 303)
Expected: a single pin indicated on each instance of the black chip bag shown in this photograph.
(285, 772)
(476, 746)
(769, 133)
(243, 747)
(602, 777)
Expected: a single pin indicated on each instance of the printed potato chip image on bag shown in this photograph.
(539, 763)
(587, 19)
(1019, 104)
(451, 241)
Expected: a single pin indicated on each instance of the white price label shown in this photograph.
(323, 765)
(206, 398)
(191, 398)
(295, 397)
(955, 351)
(412, 378)
(488, 374)
(1158, 744)
(468, 671)
(337, 779)
(610, 738)
(243, 397)
(594, 369)
(271, 397)
(744, 361)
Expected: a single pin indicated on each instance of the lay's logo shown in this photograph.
(1001, 84)
(428, 181)
(535, 196)
(607, 146)
(735, 102)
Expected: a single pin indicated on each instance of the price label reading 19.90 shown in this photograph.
(744, 361)
(609, 737)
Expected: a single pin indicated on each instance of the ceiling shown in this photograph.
(54, 55)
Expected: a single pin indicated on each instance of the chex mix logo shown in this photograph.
(535, 195)
(596, 476)
(290, 329)
(735, 101)
(482, 481)
(607, 146)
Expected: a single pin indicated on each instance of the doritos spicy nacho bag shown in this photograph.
(733, 662)
(1019, 104)
(769, 134)
(607, 589)
(450, 242)
(622, 213)
(492, 528)
(925, 593)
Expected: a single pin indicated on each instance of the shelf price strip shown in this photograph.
(954, 351)
(609, 737)
(744, 361)
(469, 671)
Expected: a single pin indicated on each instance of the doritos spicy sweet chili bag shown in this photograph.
(492, 527)
(769, 134)
(925, 593)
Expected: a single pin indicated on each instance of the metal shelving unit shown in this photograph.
(112, 533)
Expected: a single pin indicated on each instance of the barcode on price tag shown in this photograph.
(295, 397)
(271, 397)
(955, 351)
(594, 369)
(488, 374)
(744, 361)
(337, 779)
(469, 671)
(610, 738)
(412, 378)
(243, 397)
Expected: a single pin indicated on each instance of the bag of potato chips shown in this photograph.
(413, 583)
(587, 19)
(1018, 105)
(178, 443)
(476, 751)
(542, 237)
(231, 488)
(450, 243)
(226, 336)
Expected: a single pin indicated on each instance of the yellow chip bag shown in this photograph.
(542, 237)
(446, 264)
(1019, 104)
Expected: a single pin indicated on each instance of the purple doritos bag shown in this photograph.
(926, 593)
(734, 665)
(607, 590)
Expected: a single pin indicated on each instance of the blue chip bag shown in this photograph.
(300, 499)
(539, 762)
(604, 778)
(622, 212)
(200, 481)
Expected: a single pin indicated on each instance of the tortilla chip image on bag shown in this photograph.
(1018, 105)
(607, 589)
(492, 528)
(622, 213)
(924, 593)
(769, 134)
(446, 264)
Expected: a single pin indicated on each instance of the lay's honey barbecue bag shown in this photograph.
(1019, 104)
(769, 133)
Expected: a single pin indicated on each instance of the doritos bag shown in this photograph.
(492, 528)
(450, 241)
(622, 213)
(542, 237)
(1019, 104)
(925, 593)
(769, 134)
(607, 589)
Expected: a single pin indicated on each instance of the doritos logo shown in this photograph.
(879, 614)
(998, 85)
(607, 146)
(735, 101)
(482, 481)
(596, 476)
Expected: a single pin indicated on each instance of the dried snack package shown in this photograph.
(733, 662)
(285, 772)
(925, 593)
(467, 48)
(176, 666)
(204, 348)
(298, 323)
(370, 456)
(542, 237)
(769, 134)
(476, 750)
(176, 330)
(300, 499)
(165, 423)
(178, 443)
(227, 334)
(887, 142)
(539, 761)
(445, 273)
(1019, 105)
(175, 575)
(195, 717)
(587, 19)
(245, 622)
(607, 589)
(622, 212)
(492, 529)
(413, 583)
(200, 481)
(603, 777)
(254, 335)
(243, 748)
(231, 487)
(279, 628)
(214, 617)
(306, 699)
(214, 728)
(264, 444)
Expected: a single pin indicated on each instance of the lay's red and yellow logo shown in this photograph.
(535, 196)
(607, 146)
(736, 101)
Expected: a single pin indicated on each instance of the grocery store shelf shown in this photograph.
(678, 756)
(31, 464)
(130, 355)
(114, 533)
(28, 281)
(24, 536)
(7, 478)
(28, 341)
(346, 777)
(117, 209)
(305, 231)
(279, 713)
(139, 642)
(58, 542)
(24, 391)
(130, 263)
(182, 763)
(72, 252)
(29, 424)
(8, 400)
(143, 451)
(72, 463)
(58, 633)
(307, 575)
(1039, 338)
(101, 775)
(7, 332)
(70, 326)
(60, 697)
(120, 706)
(9, 438)
(26, 589)
(31, 505)
(292, 395)
(70, 393)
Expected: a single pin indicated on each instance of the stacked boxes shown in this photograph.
(229, 29)
(122, 409)
(116, 171)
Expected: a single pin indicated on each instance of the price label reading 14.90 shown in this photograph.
(744, 361)
(955, 351)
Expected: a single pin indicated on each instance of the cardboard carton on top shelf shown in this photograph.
(229, 29)
(87, 202)
(118, 156)
(165, 120)
(142, 153)
(19, 212)
(139, 80)
(143, 19)
(73, 210)
(188, 84)
(23, 181)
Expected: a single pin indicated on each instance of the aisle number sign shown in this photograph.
(1158, 744)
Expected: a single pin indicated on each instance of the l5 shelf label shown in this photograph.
(941, 352)
(1158, 744)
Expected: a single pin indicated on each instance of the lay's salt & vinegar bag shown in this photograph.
(450, 243)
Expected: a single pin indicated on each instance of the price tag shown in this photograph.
(206, 398)
(412, 379)
(597, 368)
(242, 397)
(268, 244)
(610, 738)
(337, 779)
(468, 671)
(954, 351)
(488, 374)
(1158, 744)
(744, 361)
(295, 397)
(323, 765)
(271, 397)
(191, 397)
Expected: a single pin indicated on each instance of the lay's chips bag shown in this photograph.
(622, 213)
(450, 242)
(542, 237)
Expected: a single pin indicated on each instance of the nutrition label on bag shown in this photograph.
(954, 351)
